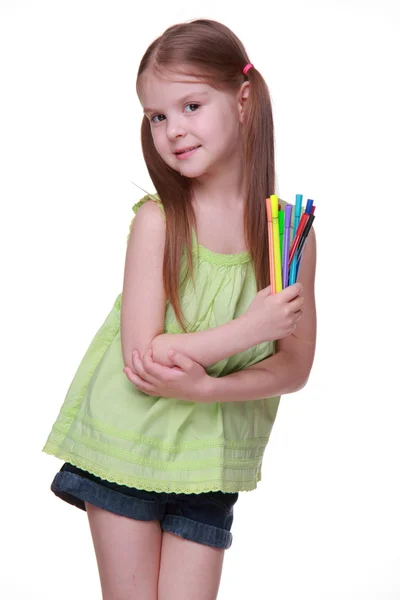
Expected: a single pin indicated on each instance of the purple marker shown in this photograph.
(286, 244)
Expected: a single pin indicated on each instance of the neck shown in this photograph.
(222, 187)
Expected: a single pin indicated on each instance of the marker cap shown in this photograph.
(274, 206)
(288, 215)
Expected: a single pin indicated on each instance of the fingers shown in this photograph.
(292, 291)
(129, 373)
(184, 362)
(141, 367)
(140, 383)
(297, 303)
(158, 372)
(155, 374)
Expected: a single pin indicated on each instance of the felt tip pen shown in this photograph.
(293, 270)
(302, 242)
(281, 220)
(277, 250)
(297, 212)
(270, 246)
(309, 206)
(296, 241)
(286, 245)
(305, 233)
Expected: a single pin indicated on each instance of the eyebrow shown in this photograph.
(186, 97)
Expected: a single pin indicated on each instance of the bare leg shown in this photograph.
(127, 553)
(188, 569)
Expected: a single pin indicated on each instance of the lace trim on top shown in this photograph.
(149, 484)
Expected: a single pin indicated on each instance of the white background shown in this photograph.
(324, 522)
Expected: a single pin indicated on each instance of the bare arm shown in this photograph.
(143, 303)
(286, 371)
(209, 346)
(143, 297)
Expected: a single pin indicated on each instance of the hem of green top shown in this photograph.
(149, 485)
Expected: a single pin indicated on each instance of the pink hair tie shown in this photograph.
(247, 68)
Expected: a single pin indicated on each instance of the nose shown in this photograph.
(175, 128)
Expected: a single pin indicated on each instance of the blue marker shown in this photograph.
(309, 206)
(293, 270)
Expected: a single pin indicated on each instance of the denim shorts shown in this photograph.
(204, 518)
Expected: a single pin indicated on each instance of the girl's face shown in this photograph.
(187, 114)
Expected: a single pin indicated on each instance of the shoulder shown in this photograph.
(149, 200)
(149, 215)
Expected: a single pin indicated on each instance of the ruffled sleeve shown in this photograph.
(154, 198)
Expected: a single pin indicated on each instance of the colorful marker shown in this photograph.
(296, 241)
(271, 246)
(277, 250)
(281, 220)
(293, 270)
(309, 206)
(286, 244)
(302, 243)
(297, 212)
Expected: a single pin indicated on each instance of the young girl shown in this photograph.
(171, 408)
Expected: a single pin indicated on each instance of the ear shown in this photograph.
(242, 96)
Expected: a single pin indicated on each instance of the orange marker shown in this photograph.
(271, 246)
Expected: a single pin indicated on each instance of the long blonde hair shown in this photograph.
(212, 53)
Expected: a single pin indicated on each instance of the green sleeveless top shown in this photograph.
(108, 427)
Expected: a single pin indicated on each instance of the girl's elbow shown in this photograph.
(159, 348)
(128, 348)
(302, 382)
(302, 377)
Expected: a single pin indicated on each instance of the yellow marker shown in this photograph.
(270, 246)
(277, 249)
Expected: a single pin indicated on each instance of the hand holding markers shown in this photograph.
(274, 316)
(284, 274)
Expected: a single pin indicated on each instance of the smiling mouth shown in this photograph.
(187, 150)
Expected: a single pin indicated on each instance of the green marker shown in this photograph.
(281, 218)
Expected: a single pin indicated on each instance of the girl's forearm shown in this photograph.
(209, 346)
(279, 374)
